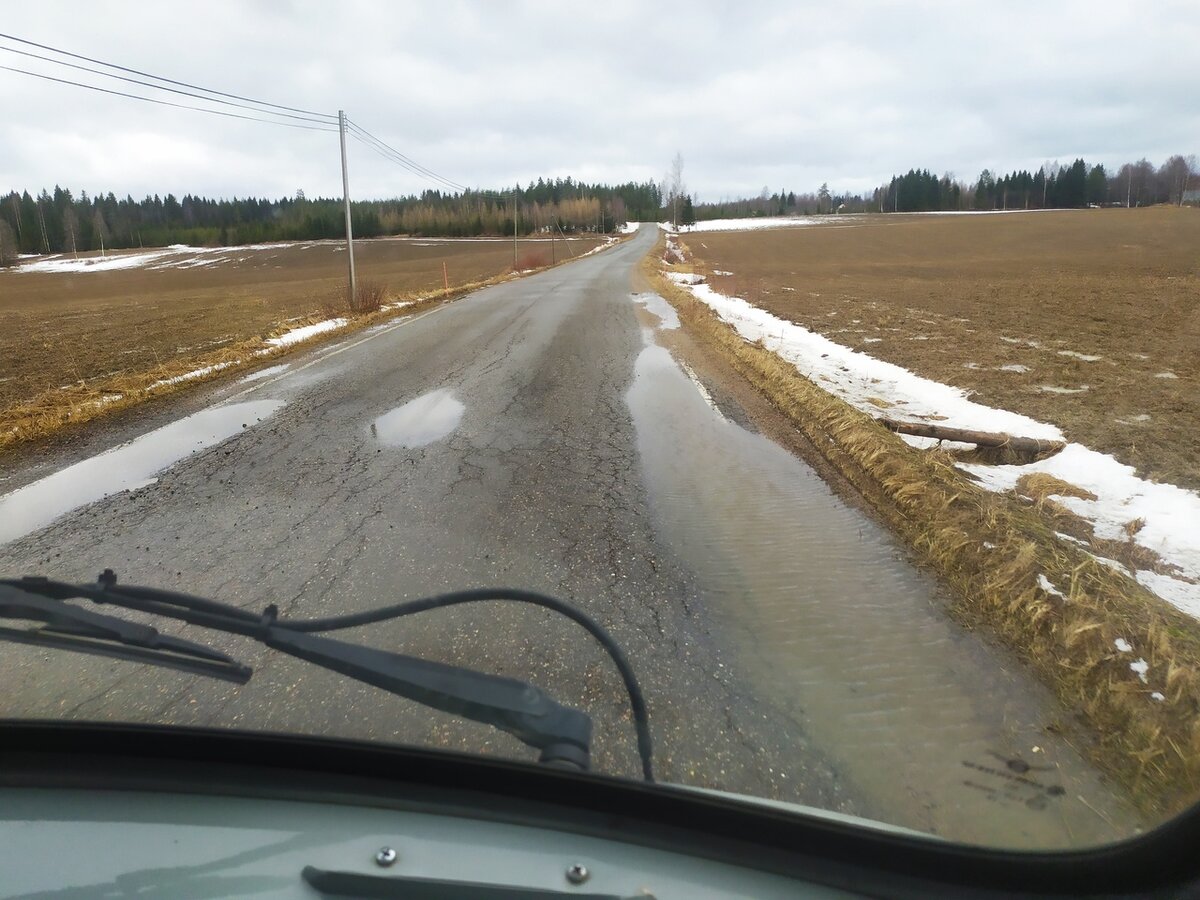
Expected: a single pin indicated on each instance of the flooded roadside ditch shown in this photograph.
(825, 615)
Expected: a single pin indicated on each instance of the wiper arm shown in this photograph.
(68, 627)
(562, 734)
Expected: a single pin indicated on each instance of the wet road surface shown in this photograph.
(536, 435)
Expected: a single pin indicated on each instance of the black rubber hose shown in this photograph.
(637, 701)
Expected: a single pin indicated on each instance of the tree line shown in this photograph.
(1052, 186)
(60, 221)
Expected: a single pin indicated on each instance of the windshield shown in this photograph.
(839, 364)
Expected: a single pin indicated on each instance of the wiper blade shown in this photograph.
(561, 733)
(68, 627)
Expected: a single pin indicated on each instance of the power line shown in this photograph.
(389, 152)
(306, 119)
(331, 118)
(159, 87)
(390, 158)
(400, 159)
(215, 112)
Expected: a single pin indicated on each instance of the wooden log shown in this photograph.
(997, 440)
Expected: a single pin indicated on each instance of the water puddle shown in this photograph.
(264, 373)
(827, 618)
(125, 468)
(659, 308)
(422, 421)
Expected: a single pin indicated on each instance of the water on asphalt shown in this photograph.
(125, 468)
(938, 729)
(420, 421)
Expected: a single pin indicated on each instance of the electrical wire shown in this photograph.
(405, 163)
(393, 151)
(400, 159)
(387, 156)
(215, 112)
(307, 119)
(159, 87)
(194, 87)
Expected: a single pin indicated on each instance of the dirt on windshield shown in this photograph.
(1089, 319)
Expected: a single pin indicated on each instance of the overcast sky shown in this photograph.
(786, 95)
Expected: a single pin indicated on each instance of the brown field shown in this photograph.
(955, 298)
(992, 551)
(60, 329)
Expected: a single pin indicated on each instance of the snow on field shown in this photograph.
(630, 227)
(756, 222)
(306, 331)
(762, 222)
(65, 264)
(176, 256)
(1171, 514)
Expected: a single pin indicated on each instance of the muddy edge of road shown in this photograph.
(989, 551)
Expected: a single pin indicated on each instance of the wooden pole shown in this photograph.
(346, 203)
(445, 276)
(967, 436)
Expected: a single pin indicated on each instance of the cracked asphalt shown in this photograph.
(539, 486)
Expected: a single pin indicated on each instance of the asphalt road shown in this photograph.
(536, 435)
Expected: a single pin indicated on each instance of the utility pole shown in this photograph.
(346, 202)
(514, 229)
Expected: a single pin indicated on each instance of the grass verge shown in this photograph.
(53, 411)
(1061, 610)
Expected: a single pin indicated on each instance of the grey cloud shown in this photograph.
(784, 94)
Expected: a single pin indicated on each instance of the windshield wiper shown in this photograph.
(68, 627)
(562, 734)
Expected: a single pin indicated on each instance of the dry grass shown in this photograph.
(959, 298)
(532, 259)
(990, 549)
(63, 329)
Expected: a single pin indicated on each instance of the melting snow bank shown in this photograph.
(125, 468)
(296, 335)
(1171, 514)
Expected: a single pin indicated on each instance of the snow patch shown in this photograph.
(1170, 513)
(765, 222)
(296, 335)
(1123, 645)
(195, 373)
(1048, 586)
(1054, 389)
